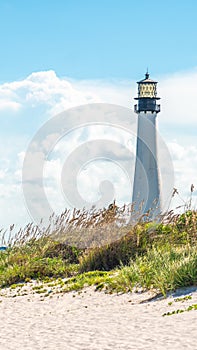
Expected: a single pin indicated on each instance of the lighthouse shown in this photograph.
(146, 187)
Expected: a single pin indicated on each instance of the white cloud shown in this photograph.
(179, 98)
(88, 162)
(9, 105)
(44, 88)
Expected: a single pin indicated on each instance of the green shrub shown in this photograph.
(135, 241)
(64, 251)
(35, 268)
(161, 269)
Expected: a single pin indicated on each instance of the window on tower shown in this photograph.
(147, 90)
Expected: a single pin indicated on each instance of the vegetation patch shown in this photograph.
(117, 256)
(179, 311)
(93, 278)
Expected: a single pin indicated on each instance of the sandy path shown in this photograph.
(96, 321)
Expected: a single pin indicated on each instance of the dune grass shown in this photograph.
(112, 253)
(162, 269)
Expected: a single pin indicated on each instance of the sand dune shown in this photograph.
(97, 321)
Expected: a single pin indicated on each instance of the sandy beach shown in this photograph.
(90, 320)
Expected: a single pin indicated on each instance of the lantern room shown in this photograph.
(147, 96)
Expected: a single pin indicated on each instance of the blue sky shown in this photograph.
(85, 39)
(61, 54)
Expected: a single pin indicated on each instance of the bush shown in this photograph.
(160, 269)
(136, 241)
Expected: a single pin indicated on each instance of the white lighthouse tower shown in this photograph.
(146, 189)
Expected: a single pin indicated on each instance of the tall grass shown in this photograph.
(162, 269)
(160, 255)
